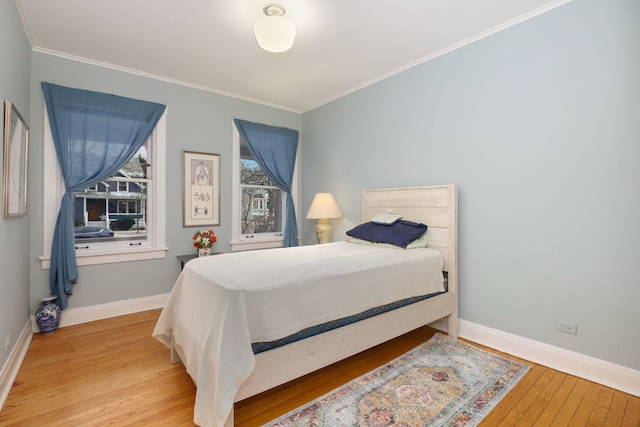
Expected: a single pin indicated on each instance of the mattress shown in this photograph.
(220, 305)
(259, 347)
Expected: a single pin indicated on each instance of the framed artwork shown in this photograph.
(201, 189)
(16, 150)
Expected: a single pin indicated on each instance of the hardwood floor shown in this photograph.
(111, 372)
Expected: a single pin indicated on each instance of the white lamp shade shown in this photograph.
(274, 33)
(324, 206)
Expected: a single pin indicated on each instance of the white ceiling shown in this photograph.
(341, 45)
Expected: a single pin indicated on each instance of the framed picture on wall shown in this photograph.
(16, 150)
(201, 189)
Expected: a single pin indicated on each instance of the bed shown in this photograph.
(217, 310)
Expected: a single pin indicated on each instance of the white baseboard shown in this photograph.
(13, 363)
(76, 316)
(592, 369)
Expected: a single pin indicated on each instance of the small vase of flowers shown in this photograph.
(203, 241)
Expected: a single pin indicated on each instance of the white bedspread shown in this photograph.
(221, 304)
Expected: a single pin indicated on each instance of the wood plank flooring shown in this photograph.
(112, 373)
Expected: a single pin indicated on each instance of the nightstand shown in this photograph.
(186, 258)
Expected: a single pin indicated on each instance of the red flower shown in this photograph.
(204, 239)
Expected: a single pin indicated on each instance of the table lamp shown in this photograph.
(323, 208)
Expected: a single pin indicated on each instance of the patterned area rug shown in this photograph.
(443, 382)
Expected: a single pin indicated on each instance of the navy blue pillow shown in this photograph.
(400, 233)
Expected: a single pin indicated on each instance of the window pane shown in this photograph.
(114, 209)
(137, 166)
(251, 174)
(106, 215)
(261, 210)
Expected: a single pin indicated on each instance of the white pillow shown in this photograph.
(385, 218)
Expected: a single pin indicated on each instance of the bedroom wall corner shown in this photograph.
(12, 365)
(14, 244)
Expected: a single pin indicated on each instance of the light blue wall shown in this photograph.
(196, 121)
(14, 232)
(539, 126)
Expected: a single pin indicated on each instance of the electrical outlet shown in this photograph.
(7, 342)
(568, 327)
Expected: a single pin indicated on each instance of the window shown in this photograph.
(259, 209)
(120, 219)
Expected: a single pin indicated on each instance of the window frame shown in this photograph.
(239, 241)
(109, 252)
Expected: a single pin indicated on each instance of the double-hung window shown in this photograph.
(259, 207)
(122, 218)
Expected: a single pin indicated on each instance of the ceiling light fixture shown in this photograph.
(274, 32)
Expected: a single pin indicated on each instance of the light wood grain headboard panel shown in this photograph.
(436, 206)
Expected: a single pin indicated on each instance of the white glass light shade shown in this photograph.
(324, 206)
(274, 33)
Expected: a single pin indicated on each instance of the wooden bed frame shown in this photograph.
(435, 206)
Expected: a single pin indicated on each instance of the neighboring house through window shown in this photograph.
(118, 204)
(259, 205)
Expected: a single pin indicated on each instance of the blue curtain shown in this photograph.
(275, 151)
(95, 135)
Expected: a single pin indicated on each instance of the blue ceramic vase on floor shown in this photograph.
(48, 315)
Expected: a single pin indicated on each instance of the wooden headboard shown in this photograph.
(436, 206)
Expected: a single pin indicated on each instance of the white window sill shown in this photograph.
(244, 245)
(108, 257)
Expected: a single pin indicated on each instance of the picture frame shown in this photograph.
(201, 189)
(16, 159)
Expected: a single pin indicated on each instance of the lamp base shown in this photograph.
(323, 231)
